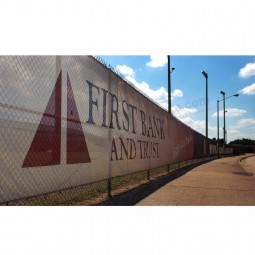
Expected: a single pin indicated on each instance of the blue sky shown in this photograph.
(231, 74)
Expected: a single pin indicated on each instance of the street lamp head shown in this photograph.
(205, 74)
(236, 95)
(223, 93)
(172, 69)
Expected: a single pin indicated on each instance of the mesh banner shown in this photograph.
(68, 121)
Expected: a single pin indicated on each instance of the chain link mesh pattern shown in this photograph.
(59, 121)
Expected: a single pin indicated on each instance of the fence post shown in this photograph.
(109, 187)
(148, 174)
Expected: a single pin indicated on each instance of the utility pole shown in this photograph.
(169, 86)
(206, 116)
(224, 117)
(170, 70)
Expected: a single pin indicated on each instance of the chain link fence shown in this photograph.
(72, 128)
(96, 193)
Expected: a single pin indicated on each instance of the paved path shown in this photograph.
(249, 164)
(218, 182)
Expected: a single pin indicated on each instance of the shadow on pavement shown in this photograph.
(133, 196)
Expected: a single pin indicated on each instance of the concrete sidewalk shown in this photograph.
(223, 181)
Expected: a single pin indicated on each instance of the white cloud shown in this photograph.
(159, 95)
(125, 70)
(247, 71)
(243, 123)
(181, 113)
(248, 90)
(157, 61)
(246, 122)
(177, 93)
(233, 132)
(240, 130)
(187, 120)
(164, 105)
(198, 125)
(233, 112)
(184, 114)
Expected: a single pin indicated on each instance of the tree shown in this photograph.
(221, 141)
(243, 141)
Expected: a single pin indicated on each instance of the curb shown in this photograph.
(242, 164)
(245, 157)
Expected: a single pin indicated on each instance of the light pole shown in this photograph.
(206, 116)
(170, 70)
(224, 116)
(218, 135)
(224, 112)
(226, 138)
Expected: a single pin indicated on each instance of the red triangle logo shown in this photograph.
(45, 148)
(77, 150)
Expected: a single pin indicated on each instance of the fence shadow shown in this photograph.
(133, 196)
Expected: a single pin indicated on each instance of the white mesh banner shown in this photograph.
(67, 121)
